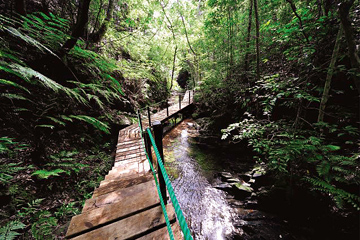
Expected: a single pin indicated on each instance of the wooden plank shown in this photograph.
(129, 152)
(124, 143)
(117, 196)
(121, 184)
(129, 148)
(163, 233)
(129, 156)
(131, 226)
(144, 197)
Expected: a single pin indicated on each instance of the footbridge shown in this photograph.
(136, 199)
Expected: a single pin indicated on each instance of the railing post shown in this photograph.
(148, 146)
(179, 101)
(140, 122)
(189, 96)
(167, 109)
(158, 132)
(149, 116)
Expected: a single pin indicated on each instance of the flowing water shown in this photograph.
(196, 168)
(206, 209)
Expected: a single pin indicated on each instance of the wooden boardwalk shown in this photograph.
(126, 205)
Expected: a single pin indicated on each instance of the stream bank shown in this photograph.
(225, 195)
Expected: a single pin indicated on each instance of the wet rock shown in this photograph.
(251, 180)
(225, 175)
(242, 190)
(236, 203)
(223, 186)
(258, 172)
(233, 180)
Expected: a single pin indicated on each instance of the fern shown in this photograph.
(29, 40)
(13, 84)
(44, 174)
(43, 225)
(338, 194)
(93, 121)
(9, 231)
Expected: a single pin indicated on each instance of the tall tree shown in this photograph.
(257, 39)
(171, 28)
(301, 25)
(82, 20)
(97, 36)
(248, 36)
(325, 96)
(344, 9)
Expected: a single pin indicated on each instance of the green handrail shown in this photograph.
(180, 216)
(168, 225)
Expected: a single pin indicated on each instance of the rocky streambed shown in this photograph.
(219, 190)
(224, 194)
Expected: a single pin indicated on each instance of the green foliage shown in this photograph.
(43, 174)
(43, 225)
(9, 231)
(295, 152)
(67, 210)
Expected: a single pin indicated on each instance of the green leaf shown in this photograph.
(332, 147)
(8, 231)
(44, 174)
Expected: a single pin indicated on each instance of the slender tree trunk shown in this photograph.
(293, 7)
(97, 17)
(192, 50)
(248, 36)
(80, 26)
(97, 36)
(325, 96)
(257, 40)
(173, 69)
(344, 9)
(20, 7)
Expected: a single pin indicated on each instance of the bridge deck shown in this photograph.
(126, 205)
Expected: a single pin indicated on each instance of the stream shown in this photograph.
(203, 179)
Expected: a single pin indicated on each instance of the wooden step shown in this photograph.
(121, 184)
(163, 233)
(129, 148)
(130, 201)
(131, 227)
(125, 143)
(117, 195)
(129, 156)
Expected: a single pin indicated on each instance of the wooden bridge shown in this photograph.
(126, 205)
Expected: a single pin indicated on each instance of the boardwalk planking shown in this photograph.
(126, 204)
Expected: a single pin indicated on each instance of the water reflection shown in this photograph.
(206, 210)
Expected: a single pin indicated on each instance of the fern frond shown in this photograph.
(29, 40)
(93, 121)
(13, 84)
(13, 96)
(8, 232)
(44, 174)
(56, 121)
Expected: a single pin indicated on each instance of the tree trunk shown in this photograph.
(80, 26)
(173, 69)
(97, 36)
(344, 9)
(257, 40)
(325, 96)
(293, 7)
(248, 37)
(20, 7)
